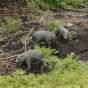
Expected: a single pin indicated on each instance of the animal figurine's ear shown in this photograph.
(18, 55)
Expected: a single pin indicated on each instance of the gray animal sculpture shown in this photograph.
(44, 36)
(30, 56)
(62, 33)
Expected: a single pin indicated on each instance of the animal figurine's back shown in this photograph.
(44, 36)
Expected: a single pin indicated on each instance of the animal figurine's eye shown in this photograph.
(63, 32)
(21, 55)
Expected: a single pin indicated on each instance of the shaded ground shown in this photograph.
(78, 18)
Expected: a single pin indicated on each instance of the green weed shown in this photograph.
(67, 73)
(63, 4)
(9, 25)
(72, 35)
(22, 40)
(50, 25)
(46, 51)
(33, 5)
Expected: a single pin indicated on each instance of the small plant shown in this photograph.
(72, 35)
(44, 5)
(67, 73)
(19, 73)
(48, 57)
(9, 25)
(46, 51)
(24, 38)
(50, 25)
(62, 4)
(32, 5)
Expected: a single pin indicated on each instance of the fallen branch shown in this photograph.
(8, 57)
(8, 54)
(13, 37)
(11, 52)
(9, 36)
(23, 27)
(75, 10)
(2, 52)
(27, 37)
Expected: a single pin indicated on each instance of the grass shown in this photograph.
(50, 24)
(34, 5)
(9, 25)
(67, 73)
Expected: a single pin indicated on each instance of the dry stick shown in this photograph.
(75, 10)
(9, 36)
(13, 37)
(23, 27)
(3, 72)
(2, 52)
(21, 24)
(11, 52)
(27, 37)
(8, 57)
(13, 68)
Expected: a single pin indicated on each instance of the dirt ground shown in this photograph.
(75, 20)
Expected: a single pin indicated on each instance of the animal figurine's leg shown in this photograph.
(43, 66)
(28, 64)
(48, 43)
(36, 41)
(41, 62)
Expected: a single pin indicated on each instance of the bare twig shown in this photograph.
(13, 37)
(75, 10)
(27, 37)
(1, 51)
(23, 27)
(9, 36)
(8, 57)
(20, 23)
(13, 68)
(12, 52)
(5, 70)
